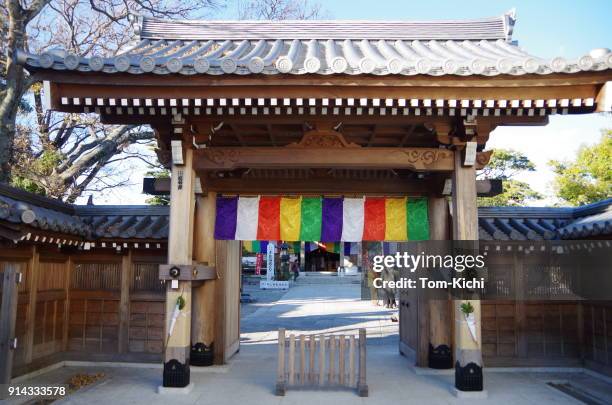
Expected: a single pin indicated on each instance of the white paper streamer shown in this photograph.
(471, 323)
(175, 315)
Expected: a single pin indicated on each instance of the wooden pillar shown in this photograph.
(124, 302)
(440, 354)
(468, 353)
(180, 239)
(33, 266)
(203, 306)
(8, 316)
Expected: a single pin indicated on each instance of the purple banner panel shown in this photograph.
(227, 214)
(331, 228)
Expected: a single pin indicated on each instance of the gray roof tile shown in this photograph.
(457, 47)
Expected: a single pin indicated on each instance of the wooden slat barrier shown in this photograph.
(322, 362)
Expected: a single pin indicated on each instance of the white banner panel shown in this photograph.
(248, 214)
(352, 219)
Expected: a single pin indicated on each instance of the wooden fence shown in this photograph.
(324, 361)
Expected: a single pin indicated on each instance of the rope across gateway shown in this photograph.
(321, 218)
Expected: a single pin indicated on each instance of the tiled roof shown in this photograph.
(89, 222)
(534, 223)
(129, 222)
(20, 207)
(492, 28)
(470, 47)
(592, 220)
(148, 222)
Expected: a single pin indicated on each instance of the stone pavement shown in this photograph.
(319, 308)
(250, 376)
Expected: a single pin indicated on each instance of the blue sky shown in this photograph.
(543, 28)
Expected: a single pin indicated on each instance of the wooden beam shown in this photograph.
(124, 301)
(317, 186)
(417, 159)
(302, 85)
(365, 120)
(8, 315)
(329, 186)
(192, 272)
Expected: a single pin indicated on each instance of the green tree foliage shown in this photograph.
(589, 178)
(504, 165)
(159, 199)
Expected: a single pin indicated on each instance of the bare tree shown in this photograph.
(279, 10)
(63, 155)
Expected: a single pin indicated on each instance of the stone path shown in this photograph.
(319, 308)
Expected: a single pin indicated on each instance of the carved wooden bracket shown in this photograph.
(483, 158)
(455, 134)
(324, 136)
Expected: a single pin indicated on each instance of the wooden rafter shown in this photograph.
(372, 135)
(237, 134)
(407, 135)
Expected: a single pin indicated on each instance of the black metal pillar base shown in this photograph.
(176, 374)
(468, 377)
(280, 389)
(363, 390)
(201, 355)
(440, 357)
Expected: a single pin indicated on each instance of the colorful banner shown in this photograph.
(293, 219)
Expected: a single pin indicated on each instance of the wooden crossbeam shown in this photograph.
(417, 159)
(318, 186)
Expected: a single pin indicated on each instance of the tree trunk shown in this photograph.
(15, 77)
(15, 83)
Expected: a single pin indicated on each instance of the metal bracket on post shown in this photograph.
(194, 272)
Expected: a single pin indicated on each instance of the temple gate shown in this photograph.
(354, 109)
